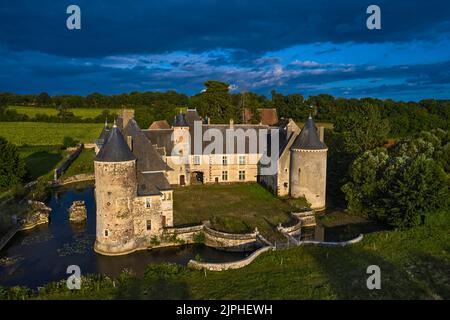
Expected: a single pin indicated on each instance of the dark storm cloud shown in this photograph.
(118, 27)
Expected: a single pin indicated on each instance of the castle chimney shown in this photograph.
(321, 131)
(231, 123)
(127, 115)
(130, 142)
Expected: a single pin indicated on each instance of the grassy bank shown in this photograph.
(415, 264)
(83, 164)
(41, 133)
(231, 207)
(83, 113)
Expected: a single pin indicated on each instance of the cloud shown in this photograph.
(115, 28)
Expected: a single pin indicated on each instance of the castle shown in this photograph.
(136, 169)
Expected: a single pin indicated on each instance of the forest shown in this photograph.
(219, 104)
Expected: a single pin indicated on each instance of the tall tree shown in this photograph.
(12, 167)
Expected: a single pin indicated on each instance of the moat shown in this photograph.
(41, 255)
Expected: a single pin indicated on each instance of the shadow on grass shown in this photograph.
(41, 162)
(346, 269)
(433, 272)
(160, 282)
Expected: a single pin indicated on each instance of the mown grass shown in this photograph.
(83, 164)
(84, 113)
(41, 160)
(232, 207)
(41, 133)
(414, 263)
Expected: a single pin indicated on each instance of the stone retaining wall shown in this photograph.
(228, 265)
(231, 241)
(77, 178)
(217, 239)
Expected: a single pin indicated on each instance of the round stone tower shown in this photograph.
(308, 170)
(115, 190)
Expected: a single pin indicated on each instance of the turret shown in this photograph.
(308, 172)
(181, 136)
(115, 190)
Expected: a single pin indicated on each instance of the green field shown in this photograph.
(40, 133)
(84, 113)
(41, 160)
(238, 207)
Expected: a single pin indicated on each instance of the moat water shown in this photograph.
(41, 255)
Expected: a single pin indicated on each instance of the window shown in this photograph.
(196, 160)
(149, 225)
(224, 175)
(106, 233)
(148, 202)
(224, 160)
(167, 196)
(241, 159)
(241, 175)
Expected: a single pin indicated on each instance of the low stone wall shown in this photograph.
(231, 241)
(332, 244)
(77, 178)
(71, 158)
(228, 265)
(212, 238)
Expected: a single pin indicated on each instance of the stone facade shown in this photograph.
(134, 171)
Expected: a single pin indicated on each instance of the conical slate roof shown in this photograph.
(180, 120)
(115, 148)
(308, 139)
(104, 134)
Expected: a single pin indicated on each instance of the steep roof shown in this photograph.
(152, 183)
(180, 120)
(115, 148)
(160, 124)
(308, 139)
(161, 137)
(192, 116)
(104, 135)
(148, 158)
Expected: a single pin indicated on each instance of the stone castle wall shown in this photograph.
(115, 194)
(308, 176)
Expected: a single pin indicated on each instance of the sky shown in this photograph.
(292, 46)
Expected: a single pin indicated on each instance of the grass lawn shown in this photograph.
(41, 160)
(231, 207)
(415, 264)
(83, 164)
(41, 133)
(79, 112)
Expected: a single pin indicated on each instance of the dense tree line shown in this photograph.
(218, 103)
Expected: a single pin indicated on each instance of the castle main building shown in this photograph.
(135, 169)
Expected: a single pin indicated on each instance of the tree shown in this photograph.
(12, 167)
(396, 189)
(215, 102)
(362, 129)
(43, 99)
